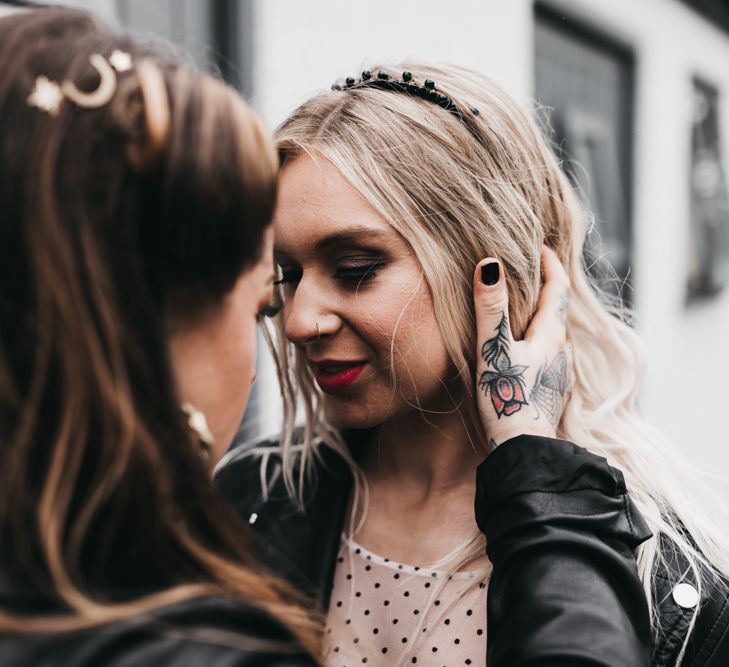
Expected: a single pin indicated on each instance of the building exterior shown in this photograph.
(639, 93)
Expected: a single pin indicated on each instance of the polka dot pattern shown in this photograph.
(383, 608)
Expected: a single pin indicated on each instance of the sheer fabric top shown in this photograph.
(386, 613)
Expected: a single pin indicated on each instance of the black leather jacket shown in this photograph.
(208, 632)
(561, 533)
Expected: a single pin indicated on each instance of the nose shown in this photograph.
(309, 314)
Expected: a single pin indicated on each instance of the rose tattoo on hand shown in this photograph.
(531, 370)
(505, 385)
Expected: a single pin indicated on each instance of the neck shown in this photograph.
(425, 452)
(425, 466)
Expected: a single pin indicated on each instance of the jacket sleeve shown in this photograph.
(561, 532)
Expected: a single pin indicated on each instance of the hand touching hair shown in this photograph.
(523, 384)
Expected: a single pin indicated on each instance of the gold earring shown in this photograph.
(199, 426)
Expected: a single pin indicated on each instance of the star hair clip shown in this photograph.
(47, 95)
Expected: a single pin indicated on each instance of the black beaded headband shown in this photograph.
(408, 85)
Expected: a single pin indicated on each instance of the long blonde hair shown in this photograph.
(455, 199)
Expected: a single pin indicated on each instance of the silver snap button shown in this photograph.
(686, 596)
(253, 518)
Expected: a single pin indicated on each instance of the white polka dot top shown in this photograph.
(386, 613)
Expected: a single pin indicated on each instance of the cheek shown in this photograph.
(241, 358)
(418, 344)
(236, 356)
(235, 362)
(405, 334)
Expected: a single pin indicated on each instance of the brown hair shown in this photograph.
(113, 221)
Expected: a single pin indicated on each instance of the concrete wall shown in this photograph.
(5, 10)
(302, 47)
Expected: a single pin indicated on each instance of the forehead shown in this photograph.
(316, 202)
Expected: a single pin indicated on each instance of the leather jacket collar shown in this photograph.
(302, 546)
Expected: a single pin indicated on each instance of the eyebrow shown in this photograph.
(351, 234)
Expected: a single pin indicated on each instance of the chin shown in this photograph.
(355, 413)
(344, 414)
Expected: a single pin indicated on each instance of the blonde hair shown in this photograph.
(456, 200)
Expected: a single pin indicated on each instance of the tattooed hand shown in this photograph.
(522, 385)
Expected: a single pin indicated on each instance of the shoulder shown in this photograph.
(247, 475)
(530, 479)
(678, 598)
(253, 476)
(296, 531)
(216, 632)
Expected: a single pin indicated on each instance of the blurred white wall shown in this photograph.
(104, 8)
(302, 47)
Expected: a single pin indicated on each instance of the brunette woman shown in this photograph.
(136, 197)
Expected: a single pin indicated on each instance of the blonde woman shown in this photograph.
(136, 200)
(425, 386)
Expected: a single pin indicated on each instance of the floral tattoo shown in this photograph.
(505, 384)
(550, 388)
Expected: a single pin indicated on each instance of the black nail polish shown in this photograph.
(490, 273)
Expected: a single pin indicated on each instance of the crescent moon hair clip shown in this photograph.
(47, 95)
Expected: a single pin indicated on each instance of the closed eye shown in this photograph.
(288, 277)
(347, 274)
(357, 273)
(269, 310)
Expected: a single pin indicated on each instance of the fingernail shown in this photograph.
(490, 273)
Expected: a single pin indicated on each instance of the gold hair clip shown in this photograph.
(47, 95)
(120, 61)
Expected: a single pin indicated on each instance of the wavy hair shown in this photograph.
(117, 222)
(458, 192)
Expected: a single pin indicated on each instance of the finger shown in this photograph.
(490, 297)
(501, 380)
(548, 324)
(491, 303)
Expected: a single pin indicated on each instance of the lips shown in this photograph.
(334, 376)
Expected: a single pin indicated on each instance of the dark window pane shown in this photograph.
(586, 84)
(709, 232)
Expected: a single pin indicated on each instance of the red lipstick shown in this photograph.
(335, 376)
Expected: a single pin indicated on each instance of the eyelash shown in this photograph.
(358, 274)
(268, 311)
(288, 277)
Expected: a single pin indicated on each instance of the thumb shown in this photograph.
(491, 303)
